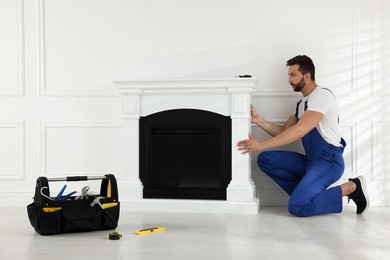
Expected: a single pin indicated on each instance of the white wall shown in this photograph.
(60, 112)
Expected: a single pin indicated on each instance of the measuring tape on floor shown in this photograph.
(114, 236)
(149, 230)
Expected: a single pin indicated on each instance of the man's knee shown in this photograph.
(298, 208)
(263, 161)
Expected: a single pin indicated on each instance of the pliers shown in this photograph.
(60, 197)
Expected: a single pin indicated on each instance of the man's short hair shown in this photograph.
(306, 65)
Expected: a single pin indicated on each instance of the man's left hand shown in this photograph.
(249, 145)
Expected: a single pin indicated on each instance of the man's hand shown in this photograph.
(254, 115)
(249, 145)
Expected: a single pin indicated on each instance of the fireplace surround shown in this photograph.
(229, 98)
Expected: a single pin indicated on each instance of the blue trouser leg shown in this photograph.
(312, 196)
(305, 180)
(284, 167)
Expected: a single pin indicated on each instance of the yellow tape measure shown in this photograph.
(149, 230)
(114, 236)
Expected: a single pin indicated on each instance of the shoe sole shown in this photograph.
(365, 192)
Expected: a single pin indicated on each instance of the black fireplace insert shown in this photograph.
(185, 154)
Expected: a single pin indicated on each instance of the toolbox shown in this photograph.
(71, 212)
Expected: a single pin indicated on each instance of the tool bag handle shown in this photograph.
(109, 187)
(77, 178)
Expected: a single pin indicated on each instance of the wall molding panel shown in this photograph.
(69, 148)
(366, 48)
(380, 45)
(41, 48)
(380, 151)
(45, 89)
(12, 150)
(17, 89)
(349, 133)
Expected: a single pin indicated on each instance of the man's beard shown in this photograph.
(299, 86)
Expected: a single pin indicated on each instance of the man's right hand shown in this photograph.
(254, 115)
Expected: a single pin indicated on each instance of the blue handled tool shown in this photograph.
(61, 197)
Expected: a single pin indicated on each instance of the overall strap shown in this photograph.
(297, 107)
(329, 91)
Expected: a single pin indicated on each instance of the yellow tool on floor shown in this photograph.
(149, 230)
(114, 236)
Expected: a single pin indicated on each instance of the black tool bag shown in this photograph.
(51, 215)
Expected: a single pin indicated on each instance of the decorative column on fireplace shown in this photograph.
(177, 137)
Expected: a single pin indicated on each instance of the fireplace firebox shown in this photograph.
(185, 154)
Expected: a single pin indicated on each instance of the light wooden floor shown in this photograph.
(272, 234)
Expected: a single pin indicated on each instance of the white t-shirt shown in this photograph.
(322, 100)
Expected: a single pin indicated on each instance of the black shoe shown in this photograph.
(360, 195)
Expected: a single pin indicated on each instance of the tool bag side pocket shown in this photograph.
(45, 220)
(111, 205)
(43, 215)
(110, 215)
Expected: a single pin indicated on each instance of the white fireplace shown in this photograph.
(228, 97)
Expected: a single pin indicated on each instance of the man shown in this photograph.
(306, 178)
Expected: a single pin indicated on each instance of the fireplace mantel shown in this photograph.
(229, 97)
(186, 86)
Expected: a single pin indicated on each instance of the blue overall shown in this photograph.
(306, 178)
